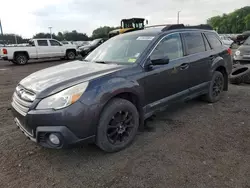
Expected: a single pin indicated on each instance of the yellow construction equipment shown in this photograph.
(128, 25)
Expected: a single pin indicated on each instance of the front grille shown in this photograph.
(20, 102)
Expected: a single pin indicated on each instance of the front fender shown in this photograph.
(118, 86)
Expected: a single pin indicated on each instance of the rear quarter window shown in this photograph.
(194, 42)
(213, 40)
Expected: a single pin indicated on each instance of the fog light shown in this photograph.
(54, 139)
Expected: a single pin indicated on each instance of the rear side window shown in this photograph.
(194, 42)
(54, 43)
(213, 40)
(42, 42)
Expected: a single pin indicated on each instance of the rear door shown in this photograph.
(56, 48)
(43, 49)
(199, 59)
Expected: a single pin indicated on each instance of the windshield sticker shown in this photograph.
(131, 60)
(145, 38)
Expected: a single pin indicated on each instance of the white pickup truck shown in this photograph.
(38, 49)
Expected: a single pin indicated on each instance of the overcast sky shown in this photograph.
(27, 17)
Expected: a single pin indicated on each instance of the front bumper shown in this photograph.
(242, 58)
(70, 123)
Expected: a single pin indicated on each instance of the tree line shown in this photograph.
(101, 32)
(234, 22)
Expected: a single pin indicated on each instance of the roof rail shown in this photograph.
(182, 26)
(157, 25)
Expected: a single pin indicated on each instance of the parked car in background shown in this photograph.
(67, 43)
(81, 43)
(38, 49)
(105, 97)
(226, 41)
(243, 52)
(85, 50)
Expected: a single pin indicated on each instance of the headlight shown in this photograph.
(237, 52)
(64, 98)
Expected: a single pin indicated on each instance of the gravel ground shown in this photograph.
(190, 145)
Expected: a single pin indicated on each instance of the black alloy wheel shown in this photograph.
(218, 86)
(120, 127)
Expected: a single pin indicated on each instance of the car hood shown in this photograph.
(244, 49)
(51, 80)
(86, 46)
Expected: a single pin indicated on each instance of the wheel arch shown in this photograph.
(223, 71)
(21, 52)
(71, 49)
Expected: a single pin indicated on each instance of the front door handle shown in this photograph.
(184, 66)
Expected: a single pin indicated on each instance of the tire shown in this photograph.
(239, 75)
(21, 59)
(216, 88)
(247, 78)
(71, 55)
(118, 125)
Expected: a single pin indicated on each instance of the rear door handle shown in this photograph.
(184, 66)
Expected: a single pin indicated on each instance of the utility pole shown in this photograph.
(236, 28)
(15, 39)
(178, 17)
(1, 29)
(50, 31)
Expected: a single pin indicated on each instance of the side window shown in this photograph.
(194, 42)
(213, 40)
(206, 43)
(54, 43)
(170, 46)
(42, 42)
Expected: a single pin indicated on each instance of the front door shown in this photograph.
(165, 83)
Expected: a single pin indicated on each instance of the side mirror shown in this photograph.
(159, 59)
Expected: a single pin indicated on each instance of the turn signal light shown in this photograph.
(5, 51)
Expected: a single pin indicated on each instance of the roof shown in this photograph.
(133, 19)
(158, 29)
(43, 39)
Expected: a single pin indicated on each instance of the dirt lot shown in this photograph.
(192, 145)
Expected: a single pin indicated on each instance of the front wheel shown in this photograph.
(117, 126)
(71, 55)
(216, 88)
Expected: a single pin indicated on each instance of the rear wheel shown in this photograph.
(118, 125)
(21, 59)
(71, 55)
(216, 88)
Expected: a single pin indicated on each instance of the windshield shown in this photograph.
(120, 49)
(247, 42)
